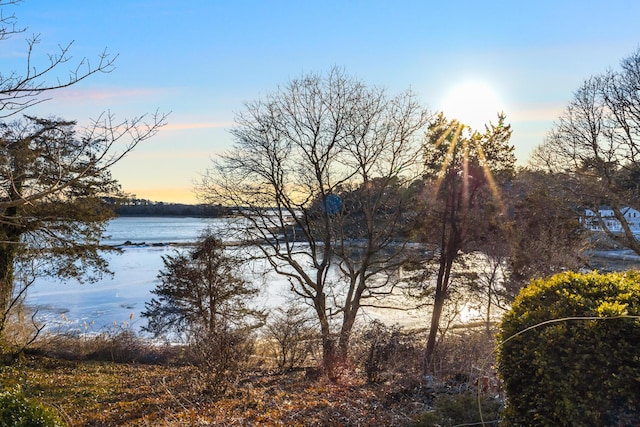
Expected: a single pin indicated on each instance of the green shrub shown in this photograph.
(17, 410)
(570, 351)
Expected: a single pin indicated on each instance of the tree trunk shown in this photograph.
(335, 352)
(442, 287)
(433, 331)
(7, 254)
(10, 231)
(345, 334)
(330, 359)
(9, 241)
(488, 325)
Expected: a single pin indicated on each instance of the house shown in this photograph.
(593, 223)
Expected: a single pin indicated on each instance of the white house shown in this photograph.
(632, 216)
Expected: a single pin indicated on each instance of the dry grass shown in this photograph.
(93, 393)
(98, 382)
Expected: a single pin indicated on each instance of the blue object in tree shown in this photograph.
(331, 204)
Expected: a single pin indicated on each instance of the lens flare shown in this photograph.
(459, 129)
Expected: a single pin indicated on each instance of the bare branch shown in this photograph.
(595, 145)
(22, 90)
(318, 172)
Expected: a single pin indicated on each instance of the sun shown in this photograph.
(473, 103)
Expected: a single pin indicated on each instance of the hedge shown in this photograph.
(569, 352)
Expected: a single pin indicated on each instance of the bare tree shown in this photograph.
(595, 146)
(318, 173)
(545, 236)
(293, 334)
(53, 173)
(8, 21)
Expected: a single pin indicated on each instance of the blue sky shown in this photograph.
(202, 59)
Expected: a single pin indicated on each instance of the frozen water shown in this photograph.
(119, 297)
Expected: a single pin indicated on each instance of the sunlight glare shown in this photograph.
(457, 129)
(473, 103)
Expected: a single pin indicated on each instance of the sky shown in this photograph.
(201, 60)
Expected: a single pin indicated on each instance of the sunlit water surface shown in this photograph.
(117, 300)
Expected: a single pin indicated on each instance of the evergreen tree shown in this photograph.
(462, 201)
(53, 174)
(201, 290)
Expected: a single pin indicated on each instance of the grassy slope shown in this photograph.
(110, 394)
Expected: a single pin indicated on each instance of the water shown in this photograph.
(118, 299)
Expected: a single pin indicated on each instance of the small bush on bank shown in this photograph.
(382, 352)
(17, 331)
(120, 344)
(17, 410)
(292, 336)
(465, 360)
(569, 351)
(461, 409)
(220, 357)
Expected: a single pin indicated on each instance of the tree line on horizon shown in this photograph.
(143, 207)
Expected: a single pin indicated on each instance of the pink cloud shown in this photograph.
(187, 126)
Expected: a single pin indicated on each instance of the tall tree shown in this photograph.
(463, 169)
(316, 172)
(595, 146)
(53, 174)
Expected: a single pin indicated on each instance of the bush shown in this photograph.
(120, 344)
(569, 351)
(466, 352)
(17, 410)
(220, 357)
(461, 409)
(293, 334)
(18, 331)
(384, 351)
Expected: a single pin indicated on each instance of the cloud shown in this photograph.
(206, 125)
(103, 94)
(535, 113)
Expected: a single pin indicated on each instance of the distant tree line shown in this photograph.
(142, 207)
